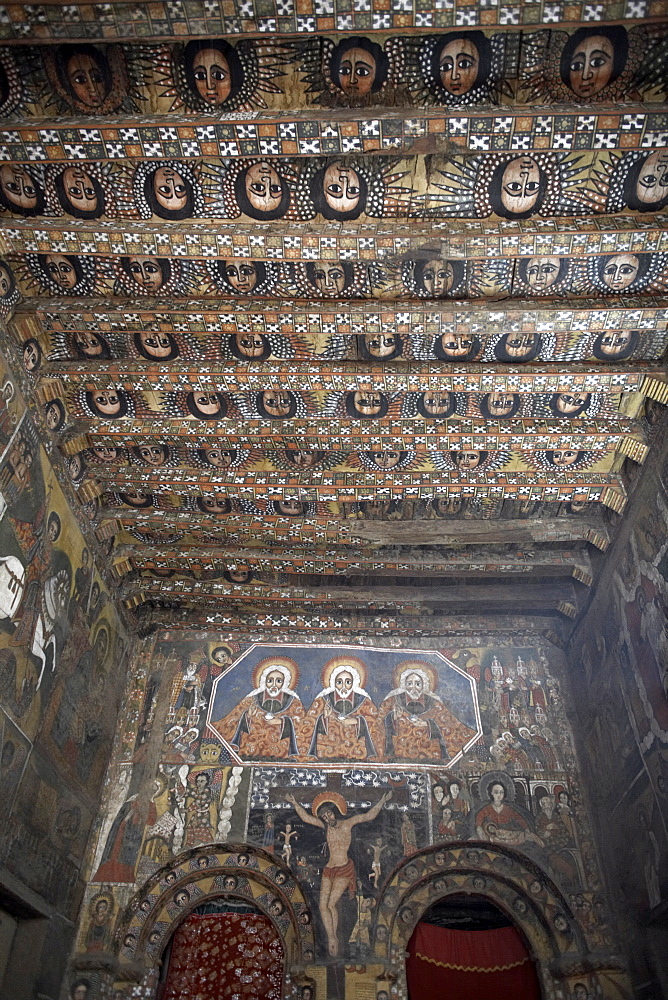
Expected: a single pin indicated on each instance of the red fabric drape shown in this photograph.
(224, 955)
(470, 965)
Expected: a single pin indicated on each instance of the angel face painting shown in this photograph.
(85, 73)
(154, 455)
(219, 458)
(54, 414)
(7, 283)
(79, 194)
(500, 404)
(261, 192)
(88, 344)
(436, 404)
(19, 192)
(621, 270)
(303, 459)
(150, 273)
(460, 346)
(436, 278)
(466, 461)
(242, 275)
(383, 346)
(339, 192)
(646, 185)
(109, 404)
(329, 277)
(569, 404)
(250, 346)
(213, 70)
(463, 61)
(564, 457)
(62, 269)
(358, 66)
(170, 193)
(386, 459)
(615, 345)
(216, 505)
(517, 188)
(445, 507)
(276, 404)
(366, 404)
(593, 58)
(541, 273)
(206, 405)
(520, 346)
(156, 345)
(290, 508)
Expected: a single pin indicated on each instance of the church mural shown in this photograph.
(458, 68)
(335, 766)
(274, 707)
(62, 656)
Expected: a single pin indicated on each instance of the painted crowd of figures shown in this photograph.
(457, 68)
(434, 278)
(510, 185)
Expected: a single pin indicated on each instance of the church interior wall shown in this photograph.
(62, 663)
(619, 679)
(229, 751)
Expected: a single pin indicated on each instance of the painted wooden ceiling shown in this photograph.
(340, 316)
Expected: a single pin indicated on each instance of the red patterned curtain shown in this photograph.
(470, 965)
(224, 955)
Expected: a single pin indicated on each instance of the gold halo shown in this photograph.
(333, 798)
(105, 894)
(427, 668)
(344, 661)
(280, 661)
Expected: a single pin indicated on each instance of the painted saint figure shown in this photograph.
(328, 812)
(265, 722)
(418, 726)
(343, 722)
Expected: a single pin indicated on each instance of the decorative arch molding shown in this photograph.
(518, 886)
(206, 873)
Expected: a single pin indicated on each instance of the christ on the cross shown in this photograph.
(327, 812)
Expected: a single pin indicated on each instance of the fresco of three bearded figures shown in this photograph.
(381, 707)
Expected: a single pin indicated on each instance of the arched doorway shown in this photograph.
(466, 947)
(224, 948)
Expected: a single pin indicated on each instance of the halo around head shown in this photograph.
(331, 798)
(421, 667)
(284, 662)
(359, 666)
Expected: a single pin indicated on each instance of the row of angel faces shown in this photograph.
(596, 62)
(112, 403)
(515, 347)
(426, 508)
(512, 185)
(429, 278)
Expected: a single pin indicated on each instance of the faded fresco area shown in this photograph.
(482, 752)
(62, 662)
(622, 673)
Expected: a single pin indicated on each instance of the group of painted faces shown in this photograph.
(215, 71)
